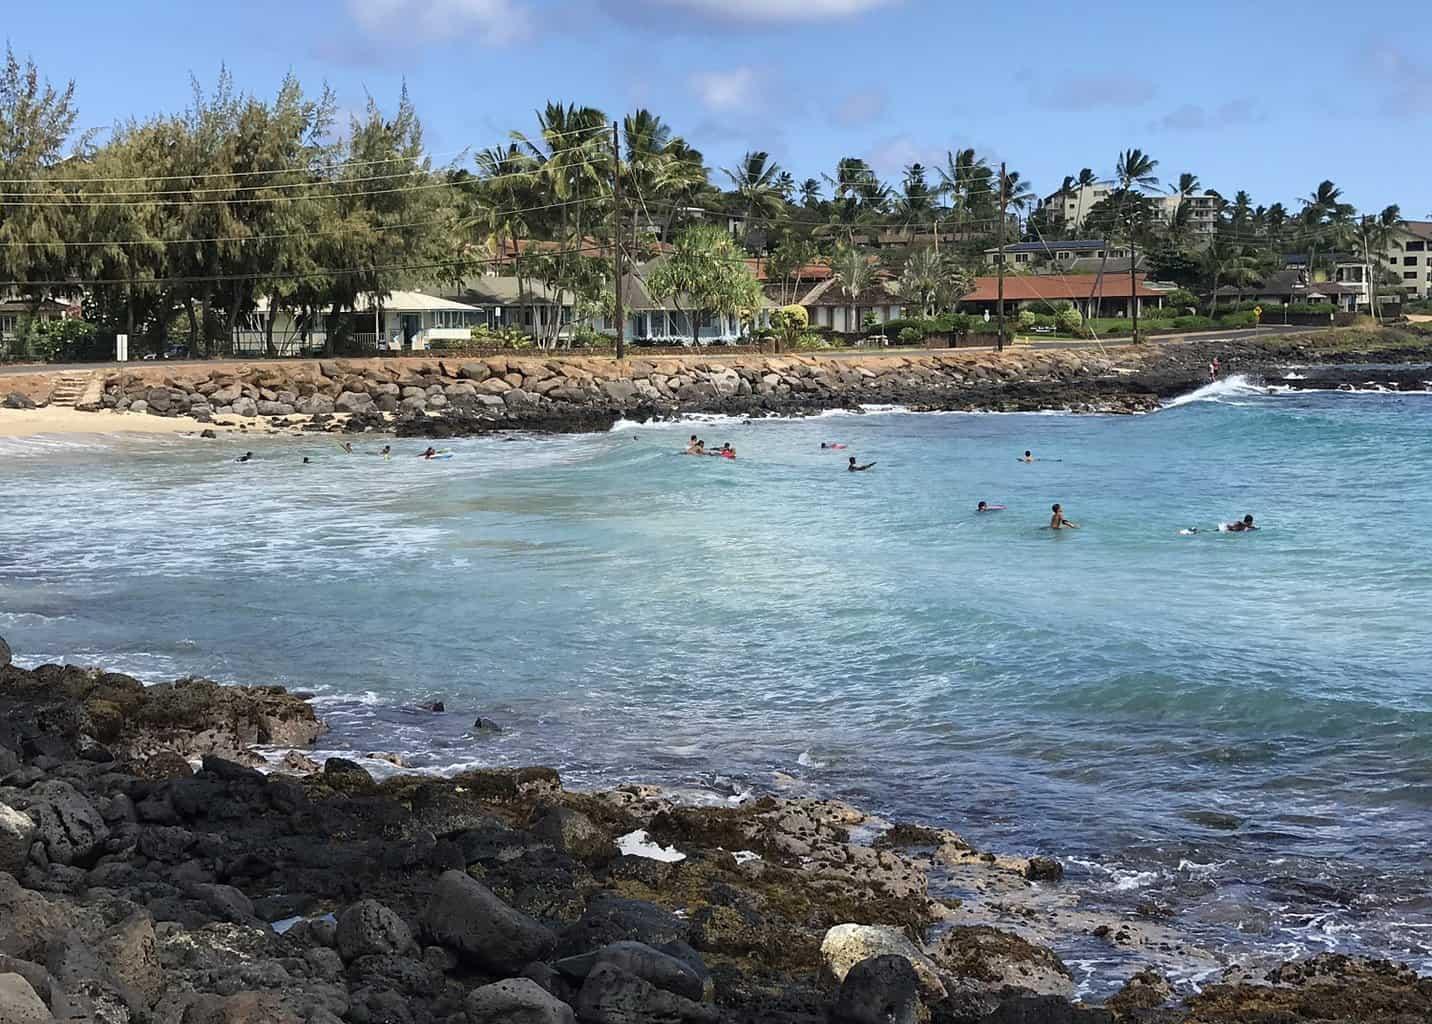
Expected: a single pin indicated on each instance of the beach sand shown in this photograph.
(64, 420)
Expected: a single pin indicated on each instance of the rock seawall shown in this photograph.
(136, 890)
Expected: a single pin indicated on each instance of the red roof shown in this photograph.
(1054, 287)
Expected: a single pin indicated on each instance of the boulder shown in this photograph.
(474, 371)
(5, 654)
(622, 392)
(609, 919)
(367, 928)
(880, 990)
(611, 995)
(131, 951)
(846, 945)
(139, 405)
(651, 965)
(19, 1004)
(1043, 869)
(493, 386)
(519, 399)
(66, 822)
(15, 400)
(243, 407)
(27, 921)
(990, 959)
(516, 1001)
(17, 834)
(313, 405)
(465, 916)
(352, 401)
(274, 409)
(1147, 990)
(573, 833)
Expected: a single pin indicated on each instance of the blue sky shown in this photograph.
(1258, 96)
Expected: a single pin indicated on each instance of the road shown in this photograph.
(189, 365)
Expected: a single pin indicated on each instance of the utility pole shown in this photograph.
(617, 239)
(1003, 200)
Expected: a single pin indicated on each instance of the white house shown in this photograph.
(400, 320)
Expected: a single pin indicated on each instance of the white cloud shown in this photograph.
(727, 91)
(493, 22)
(772, 11)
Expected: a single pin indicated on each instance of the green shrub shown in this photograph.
(1242, 318)
(1027, 320)
(504, 337)
(60, 341)
(809, 343)
(910, 336)
(1191, 322)
(1069, 321)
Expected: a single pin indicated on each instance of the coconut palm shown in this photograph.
(1188, 185)
(756, 183)
(1017, 194)
(681, 183)
(810, 193)
(915, 203)
(1375, 236)
(1134, 172)
(932, 282)
(1085, 180)
(854, 270)
(966, 179)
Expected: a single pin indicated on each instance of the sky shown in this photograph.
(1262, 97)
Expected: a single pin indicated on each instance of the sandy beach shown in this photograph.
(64, 420)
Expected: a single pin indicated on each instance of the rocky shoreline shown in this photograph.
(437, 398)
(150, 873)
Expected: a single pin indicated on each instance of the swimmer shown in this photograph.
(726, 451)
(347, 447)
(1027, 457)
(692, 446)
(306, 460)
(852, 467)
(832, 446)
(245, 457)
(1057, 520)
(430, 453)
(1242, 526)
(387, 451)
(1190, 532)
(985, 506)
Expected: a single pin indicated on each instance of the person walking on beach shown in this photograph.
(853, 468)
(1057, 520)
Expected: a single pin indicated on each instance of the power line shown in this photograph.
(282, 170)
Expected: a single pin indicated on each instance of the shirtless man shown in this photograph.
(1057, 520)
(852, 467)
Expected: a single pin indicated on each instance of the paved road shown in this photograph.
(186, 365)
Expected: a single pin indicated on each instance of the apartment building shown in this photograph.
(1409, 256)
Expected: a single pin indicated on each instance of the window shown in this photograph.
(1409, 261)
(1409, 275)
(8, 323)
(456, 318)
(1416, 246)
(1021, 257)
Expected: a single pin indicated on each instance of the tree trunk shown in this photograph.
(204, 304)
(193, 325)
(268, 326)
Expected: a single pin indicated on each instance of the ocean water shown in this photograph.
(1235, 727)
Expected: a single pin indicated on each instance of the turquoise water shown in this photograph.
(1238, 727)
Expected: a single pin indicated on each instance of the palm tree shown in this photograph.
(1188, 186)
(1017, 194)
(854, 270)
(681, 182)
(810, 193)
(1085, 180)
(915, 203)
(1226, 262)
(931, 281)
(965, 178)
(1375, 235)
(755, 182)
(1134, 172)
(786, 186)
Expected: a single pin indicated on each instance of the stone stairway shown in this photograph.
(75, 390)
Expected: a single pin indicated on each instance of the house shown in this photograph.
(1053, 255)
(1409, 255)
(1292, 285)
(829, 305)
(521, 302)
(1092, 294)
(15, 311)
(400, 320)
(668, 321)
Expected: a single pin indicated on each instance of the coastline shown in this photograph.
(753, 911)
(435, 398)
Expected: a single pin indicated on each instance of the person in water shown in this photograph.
(1213, 370)
(1241, 526)
(853, 468)
(727, 452)
(985, 506)
(387, 451)
(832, 446)
(348, 447)
(696, 447)
(306, 460)
(1057, 520)
(247, 456)
(1027, 457)
(430, 453)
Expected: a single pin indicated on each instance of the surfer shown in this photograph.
(431, 453)
(245, 457)
(852, 467)
(1213, 370)
(1241, 526)
(1057, 520)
